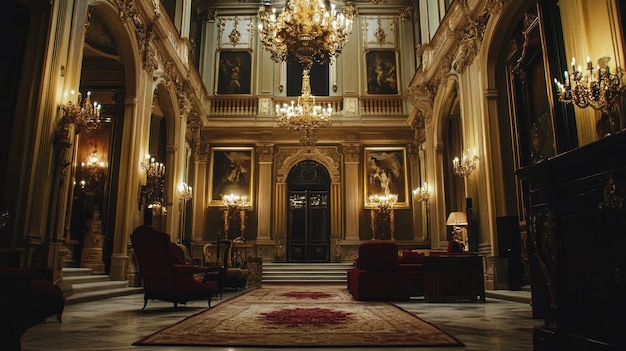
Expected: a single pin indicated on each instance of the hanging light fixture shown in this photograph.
(305, 116)
(304, 32)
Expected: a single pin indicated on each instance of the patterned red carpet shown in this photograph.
(301, 316)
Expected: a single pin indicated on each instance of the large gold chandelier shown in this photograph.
(304, 32)
(305, 116)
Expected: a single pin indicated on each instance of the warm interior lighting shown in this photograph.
(383, 202)
(422, 193)
(84, 114)
(598, 90)
(236, 201)
(304, 116)
(457, 219)
(304, 32)
(184, 192)
(466, 165)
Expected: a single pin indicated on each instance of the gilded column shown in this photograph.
(200, 201)
(351, 155)
(264, 200)
(419, 229)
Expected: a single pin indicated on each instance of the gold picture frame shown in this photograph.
(232, 172)
(385, 171)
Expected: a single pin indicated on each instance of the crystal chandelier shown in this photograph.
(304, 32)
(85, 115)
(92, 171)
(305, 116)
(383, 202)
(597, 90)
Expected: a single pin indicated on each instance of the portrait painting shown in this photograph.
(231, 173)
(382, 75)
(234, 72)
(386, 173)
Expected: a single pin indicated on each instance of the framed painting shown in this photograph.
(386, 173)
(234, 72)
(232, 172)
(382, 75)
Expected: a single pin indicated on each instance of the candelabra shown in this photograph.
(84, 114)
(466, 165)
(235, 215)
(422, 193)
(597, 90)
(304, 32)
(305, 116)
(154, 190)
(382, 216)
(184, 194)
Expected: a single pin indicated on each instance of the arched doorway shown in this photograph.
(308, 213)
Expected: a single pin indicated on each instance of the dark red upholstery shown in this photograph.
(27, 298)
(164, 276)
(379, 275)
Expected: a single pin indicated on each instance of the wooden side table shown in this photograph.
(454, 278)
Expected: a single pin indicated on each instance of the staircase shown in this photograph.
(86, 286)
(305, 272)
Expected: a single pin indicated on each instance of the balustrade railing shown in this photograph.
(382, 105)
(248, 106)
(234, 106)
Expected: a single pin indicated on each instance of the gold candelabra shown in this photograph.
(304, 32)
(154, 190)
(235, 201)
(598, 90)
(184, 193)
(304, 116)
(422, 193)
(84, 114)
(466, 165)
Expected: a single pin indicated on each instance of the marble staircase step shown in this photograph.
(86, 286)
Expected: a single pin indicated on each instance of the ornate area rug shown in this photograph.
(301, 316)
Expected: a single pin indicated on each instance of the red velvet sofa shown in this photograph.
(381, 275)
(27, 298)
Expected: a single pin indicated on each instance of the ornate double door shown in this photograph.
(308, 227)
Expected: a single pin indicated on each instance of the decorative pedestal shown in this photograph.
(91, 256)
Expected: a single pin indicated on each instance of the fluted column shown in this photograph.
(264, 200)
(351, 155)
(199, 201)
(419, 227)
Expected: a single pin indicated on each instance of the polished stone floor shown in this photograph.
(115, 323)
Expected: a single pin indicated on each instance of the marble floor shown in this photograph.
(117, 322)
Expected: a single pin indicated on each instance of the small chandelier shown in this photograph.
(304, 32)
(85, 115)
(154, 190)
(94, 170)
(305, 116)
(422, 193)
(597, 90)
(466, 165)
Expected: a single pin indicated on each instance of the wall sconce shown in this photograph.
(458, 221)
(85, 115)
(599, 90)
(422, 193)
(466, 165)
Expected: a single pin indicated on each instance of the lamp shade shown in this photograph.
(457, 218)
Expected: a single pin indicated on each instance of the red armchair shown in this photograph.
(165, 274)
(379, 275)
(27, 298)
